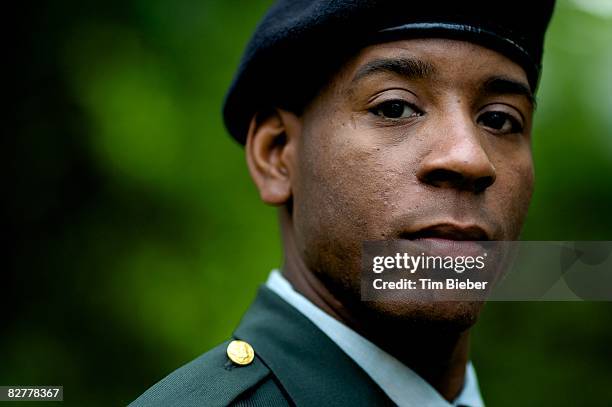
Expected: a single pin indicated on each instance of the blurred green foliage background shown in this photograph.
(136, 239)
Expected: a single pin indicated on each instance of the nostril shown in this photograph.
(444, 178)
(482, 183)
(441, 177)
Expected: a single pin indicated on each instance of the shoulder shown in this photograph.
(213, 380)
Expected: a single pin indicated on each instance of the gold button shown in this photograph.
(240, 352)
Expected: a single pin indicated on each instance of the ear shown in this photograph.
(270, 154)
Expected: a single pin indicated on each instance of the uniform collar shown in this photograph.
(307, 363)
(400, 383)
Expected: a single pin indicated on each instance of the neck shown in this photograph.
(438, 356)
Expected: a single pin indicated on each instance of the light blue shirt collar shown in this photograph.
(403, 386)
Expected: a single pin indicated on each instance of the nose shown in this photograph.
(457, 160)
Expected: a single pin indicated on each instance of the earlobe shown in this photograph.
(268, 152)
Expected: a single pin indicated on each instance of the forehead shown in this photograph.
(443, 61)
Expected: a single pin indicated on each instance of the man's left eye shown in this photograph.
(500, 122)
(395, 109)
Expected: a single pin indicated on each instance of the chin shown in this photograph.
(434, 316)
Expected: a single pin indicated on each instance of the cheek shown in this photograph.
(342, 181)
(513, 193)
(344, 187)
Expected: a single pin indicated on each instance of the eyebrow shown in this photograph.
(501, 85)
(406, 67)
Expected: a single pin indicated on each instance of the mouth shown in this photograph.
(448, 239)
(448, 231)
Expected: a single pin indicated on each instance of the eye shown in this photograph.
(395, 109)
(500, 122)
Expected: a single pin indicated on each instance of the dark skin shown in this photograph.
(423, 138)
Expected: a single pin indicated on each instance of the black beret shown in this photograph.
(300, 43)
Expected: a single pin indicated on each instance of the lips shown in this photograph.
(448, 239)
(448, 231)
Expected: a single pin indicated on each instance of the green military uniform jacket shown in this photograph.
(295, 364)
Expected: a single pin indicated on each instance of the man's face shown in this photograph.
(412, 139)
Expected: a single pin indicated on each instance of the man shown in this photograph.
(372, 120)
